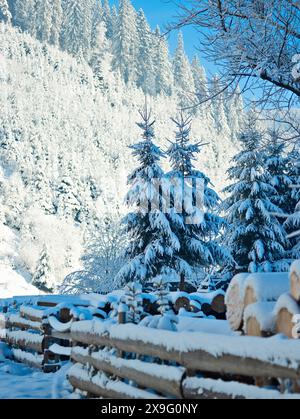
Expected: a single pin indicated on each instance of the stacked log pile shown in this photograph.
(265, 304)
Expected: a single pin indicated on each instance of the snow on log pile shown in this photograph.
(295, 281)
(235, 303)
(260, 320)
(160, 362)
(286, 309)
(263, 287)
(266, 303)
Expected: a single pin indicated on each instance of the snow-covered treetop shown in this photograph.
(182, 153)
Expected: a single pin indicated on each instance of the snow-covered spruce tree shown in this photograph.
(183, 77)
(77, 26)
(198, 229)
(152, 243)
(42, 273)
(43, 11)
(134, 301)
(277, 164)
(256, 237)
(99, 53)
(25, 16)
(218, 106)
(5, 14)
(56, 22)
(125, 43)
(108, 18)
(166, 320)
(201, 90)
(161, 290)
(234, 109)
(145, 54)
(292, 224)
(200, 79)
(97, 18)
(163, 68)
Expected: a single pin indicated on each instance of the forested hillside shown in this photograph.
(64, 153)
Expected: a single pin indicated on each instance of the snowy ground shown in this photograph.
(20, 382)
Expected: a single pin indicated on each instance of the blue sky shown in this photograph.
(161, 12)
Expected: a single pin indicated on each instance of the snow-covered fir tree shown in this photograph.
(42, 273)
(218, 105)
(292, 224)
(25, 15)
(56, 22)
(256, 237)
(5, 14)
(164, 76)
(134, 302)
(166, 320)
(161, 289)
(198, 229)
(277, 164)
(97, 18)
(77, 26)
(152, 242)
(145, 54)
(183, 76)
(108, 18)
(125, 42)
(200, 80)
(44, 20)
(235, 110)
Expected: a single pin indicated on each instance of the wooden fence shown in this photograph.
(188, 365)
(33, 340)
(128, 361)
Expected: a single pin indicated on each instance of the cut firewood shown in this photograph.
(259, 320)
(295, 281)
(218, 304)
(263, 287)
(234, 302)
(182, 302)
(286, 309)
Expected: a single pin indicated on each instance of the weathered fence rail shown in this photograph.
(127, 361)
(161, 362)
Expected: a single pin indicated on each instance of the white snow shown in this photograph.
(237, 280)
(287, 301)
(219, 327)
(80, 372)
(60, 350)
(26, 336)
(33, 311)
(282, 352)
(92, 326)
(263, 313)
(16, 318)
(13, 284)
(206, 297)
(25, 357)
(296, 267)
(18, 381)
(58, 326)
(267, 286)
(235, 389)
(159, 371)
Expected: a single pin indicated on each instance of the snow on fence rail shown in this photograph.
(160, 362)
(38, 328)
